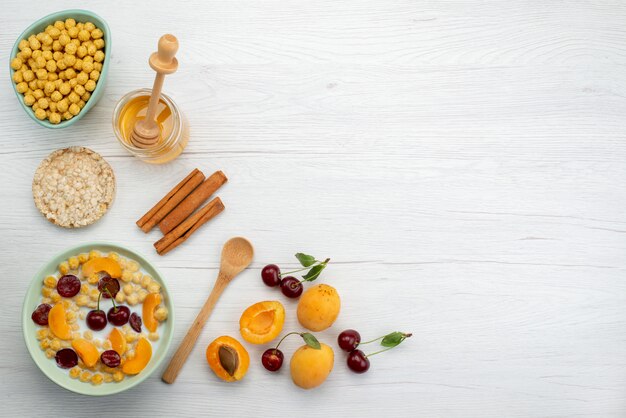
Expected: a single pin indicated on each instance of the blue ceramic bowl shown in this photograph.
(39, 26)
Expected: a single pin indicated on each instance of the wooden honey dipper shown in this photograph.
(146, 131)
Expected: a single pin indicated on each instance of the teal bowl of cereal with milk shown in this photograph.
(58, 66)
(98, 319)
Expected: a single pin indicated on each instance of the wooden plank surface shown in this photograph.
(462, 163)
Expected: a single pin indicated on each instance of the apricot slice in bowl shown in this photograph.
(98, 264)
(149, 305)
(87, 351)
(228, 359)
(262, 322)
(141, 359)
(118, 341)
(57, 322)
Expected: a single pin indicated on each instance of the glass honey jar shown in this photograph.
(171, 121)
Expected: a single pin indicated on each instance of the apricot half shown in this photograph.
(87, 351)
(98, 264)
(149, 305)
(310, 367)
(262, 322)
(143, 354)
(118, 341)
(58, 322)
(318, 307)
(228, 359)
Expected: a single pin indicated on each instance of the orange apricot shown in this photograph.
(58, 322)
(149, 305)
(87, 351)
(118, 341)
(262, 322)
(98, 264)
(143, 354)
(228, 359)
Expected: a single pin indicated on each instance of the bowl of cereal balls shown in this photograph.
(59, 65)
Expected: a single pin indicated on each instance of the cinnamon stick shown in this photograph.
(192, 202)
(189, 226)
(170, 201)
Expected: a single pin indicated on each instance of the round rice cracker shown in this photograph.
(73, 187)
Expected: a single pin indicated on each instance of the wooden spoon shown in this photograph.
(237, 254)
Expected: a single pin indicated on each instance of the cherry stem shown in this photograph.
(381, 351)
(371, 341)
(287, 335)
(98, 306)
(112, 299)
(305, 268)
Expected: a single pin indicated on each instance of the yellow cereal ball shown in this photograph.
(41, 83)
(26, 53)
(57, 55)
(65, 89)
(56, 46)
(64, 40)
(18, 77)
(81, 51)
(48, 88)
(91, 49)
(70, 73)
(82, 77)
(84, 35)
(43, 103)
(62, 75)
(81, 104)
(40, 114)
(36, 54)
(52, 106)
(59, 25)
(78, 65)
(29, 75)
(54, 33)
(69, 23)
(29, 100)
(62, 105)
(16, 63)
(89, 26)
(38, 94)
(34, 43)
(22, 87)
(46, 47)
(74, 109)
(72, 32)
(35, 106)
(69, 60)
(86, 96)
(87, 66)
(97, 66)
(67, 115)
(47, 39)
(73, 97)
(23, 44)
(80, 25)
(75, 42)
(58, 83)
(32, 85)
(54, 118)
(161, 314)
(56, 96)
(51, 66)
(99, 56)
(41, 62)
(61, 65)
(90, 85)
(70, 48)
(94, 75)
(42, 74)
(98, 43)
(47, 55)
(97, 34)
(73, 82)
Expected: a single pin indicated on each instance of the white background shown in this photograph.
(461, 162)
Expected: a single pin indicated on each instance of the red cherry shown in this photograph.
(271, 275)
(118, 315)
(291, 287)
(96, 319)
(40, 315)
(272, 359)
(358, 361)
(348, 340)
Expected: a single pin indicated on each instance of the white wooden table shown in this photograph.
(462, 163)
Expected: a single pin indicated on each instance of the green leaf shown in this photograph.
(310, 340)
(314, 273)
(305, 259)
(393, 339)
